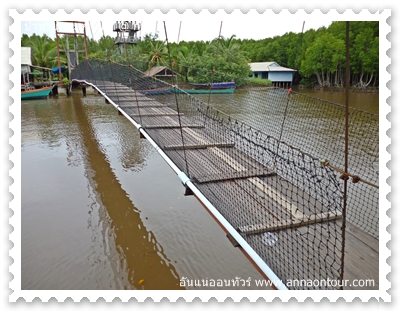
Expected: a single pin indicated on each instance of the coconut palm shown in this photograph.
(185, 58)
(226, 47)
(157, 54)
(44, 51)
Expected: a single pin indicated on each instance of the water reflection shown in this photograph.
(80, 230)
(140, 256)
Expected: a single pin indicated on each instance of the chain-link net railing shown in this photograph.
(267, 159)
(316, 127)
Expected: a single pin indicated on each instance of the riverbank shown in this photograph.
(339, 89)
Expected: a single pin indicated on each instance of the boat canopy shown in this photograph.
(36, 73)
(55, 70)
(223, 85)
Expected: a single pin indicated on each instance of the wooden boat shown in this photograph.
(213, 88)
(156, 91)
(36, 93)
(219, 91)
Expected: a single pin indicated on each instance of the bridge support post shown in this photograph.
(232, 240)
(188, 191)
(184, 179)
(54, 91)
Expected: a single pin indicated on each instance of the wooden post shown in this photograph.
(58, 53)
(84, 90)
(54, 91)
(346, 151)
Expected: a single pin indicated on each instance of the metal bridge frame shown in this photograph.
(259, 263)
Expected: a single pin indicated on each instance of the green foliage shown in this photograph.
(221, 61)
(325, 55)
(103, 49)
(65, 81)
(43, 50)
(258, 81)
(365, 53)
(318, 55)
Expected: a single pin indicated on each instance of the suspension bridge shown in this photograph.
(271, 178)
(293, 190)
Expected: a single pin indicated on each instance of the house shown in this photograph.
(26, 64)
(280, 76)
(29, 71)
(26, 61)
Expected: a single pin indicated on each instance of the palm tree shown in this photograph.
(157, 54)
(44, 51)
(229, 62)
(103, 49)
(185, 58)
(227, 48)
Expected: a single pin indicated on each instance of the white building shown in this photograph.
(280, 76)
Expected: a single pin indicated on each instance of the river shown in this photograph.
(359, 100)
(102, 210)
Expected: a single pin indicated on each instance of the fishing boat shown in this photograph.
(156, 91)
(36, 93)
(28, 89)
(213, 88)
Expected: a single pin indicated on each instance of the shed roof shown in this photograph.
(268, 66)
(156, 70)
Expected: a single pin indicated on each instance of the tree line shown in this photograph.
(318, 56)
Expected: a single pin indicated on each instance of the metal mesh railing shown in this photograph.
(316, 127)
(269, 162)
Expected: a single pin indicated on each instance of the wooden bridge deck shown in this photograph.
(216, 160)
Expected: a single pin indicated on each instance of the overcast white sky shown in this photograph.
(189, 30)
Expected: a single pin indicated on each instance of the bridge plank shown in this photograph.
(134, 112)
(139, 104)
(244, 204)
(192, 139)
(198, 146)
(308, 220)
(260, 184)
(114, 87)
(134, 98)
(361, 259)
(160, 114)
(173, 121)
(172, 126)
(231, 175)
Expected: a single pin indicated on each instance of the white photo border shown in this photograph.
(15, 125)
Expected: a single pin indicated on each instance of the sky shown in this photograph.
(183, 30)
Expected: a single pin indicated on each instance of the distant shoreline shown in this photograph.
(340, 89)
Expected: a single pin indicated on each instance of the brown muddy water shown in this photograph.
(102, 210)
(359, 100)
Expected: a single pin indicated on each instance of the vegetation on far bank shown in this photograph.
(317, 55)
